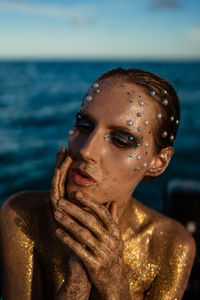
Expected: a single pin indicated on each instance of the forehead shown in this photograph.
(115, 101)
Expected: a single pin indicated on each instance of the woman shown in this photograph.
(89, 238)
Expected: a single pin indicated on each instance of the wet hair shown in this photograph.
(163, 90)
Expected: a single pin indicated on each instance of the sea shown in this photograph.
(38, 103)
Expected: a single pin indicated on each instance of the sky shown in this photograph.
(105, 29)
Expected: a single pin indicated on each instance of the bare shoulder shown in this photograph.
(168, 230)
(26, 206)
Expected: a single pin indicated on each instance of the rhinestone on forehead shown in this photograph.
(89, 98)
(165, 91)
(165, 101)
(129, 122)
(165, 134)
(172, 118)
(177, 121)
(96, 85)
(141, 102)
(159, 116)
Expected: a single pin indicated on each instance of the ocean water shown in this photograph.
(38, 102)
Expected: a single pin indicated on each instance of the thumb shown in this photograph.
(114, 211)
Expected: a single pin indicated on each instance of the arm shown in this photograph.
(21, 272)
(172, 279)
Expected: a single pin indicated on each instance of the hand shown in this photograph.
(98, 244)
(77, 285)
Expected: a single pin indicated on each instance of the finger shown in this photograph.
(74, 246)
(63, 174)
(84, 217)
(102, 213)
(55, 193)
(80, 233)
(61, 157)
(114, 211)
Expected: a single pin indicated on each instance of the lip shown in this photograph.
(78, 178)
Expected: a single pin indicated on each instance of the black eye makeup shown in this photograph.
(118, 136)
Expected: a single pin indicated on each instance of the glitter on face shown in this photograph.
(129, 123)
(139, 156)
(141, 103)
(145, 165)
(147, 144)
(146, 122)
(138, 168)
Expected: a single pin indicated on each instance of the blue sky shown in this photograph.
(129, 29)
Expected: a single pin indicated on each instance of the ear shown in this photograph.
(160, 162)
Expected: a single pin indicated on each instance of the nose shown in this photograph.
(92, 146)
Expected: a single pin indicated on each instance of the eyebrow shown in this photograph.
(112, 127)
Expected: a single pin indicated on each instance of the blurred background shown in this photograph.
(52, 51)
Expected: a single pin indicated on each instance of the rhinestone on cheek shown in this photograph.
(145, 165)
(131, 155)
(153, 93)
(130, 138)
(139, 129)
(165, 91)
(139, 114)
(177, 121)
(97, 91)
(146, 122)
(131, 101)
(139, 156)
(147, 144)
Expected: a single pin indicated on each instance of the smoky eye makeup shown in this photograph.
(123, 139)
(83, 123)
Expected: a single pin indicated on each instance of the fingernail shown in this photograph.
(62, 203)
(63, 149)
(58, 215)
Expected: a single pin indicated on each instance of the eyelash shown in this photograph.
(86, 126)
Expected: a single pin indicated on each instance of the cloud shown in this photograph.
(165, 4)
(75, 14)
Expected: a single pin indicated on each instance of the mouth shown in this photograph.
(82, 178)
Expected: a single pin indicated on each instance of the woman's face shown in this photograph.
(112, 141)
